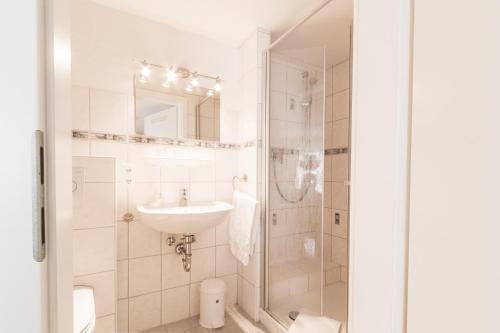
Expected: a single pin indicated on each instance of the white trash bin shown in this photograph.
(212, 303)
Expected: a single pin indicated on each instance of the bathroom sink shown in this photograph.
(191, 219)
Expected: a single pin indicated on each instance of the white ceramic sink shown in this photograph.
(191, 219)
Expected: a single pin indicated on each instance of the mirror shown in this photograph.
(176, 111)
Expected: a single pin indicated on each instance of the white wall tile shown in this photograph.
(122, 240)
(249, 298)
(104, 291)
(108, 111)
(202, 173)
(328, 109)
(174, 174)
(170, 192)
(231, 282)
(122, 278)
(221, 232)
(340, 133)
(224, 192)
(143, 241)
(93, 250)
(96, 207)
(340, 251)
(294, 81)
(278, 105)
(122, 316)
(105, 324)
(328, 81)
(173, 274)
(194, 299)
(340, 167)
(80, 108)
(142, 193)
(117, 150)
(327, 247)
(121, 197)
(145, 311)
(175, 304)
(96, 169)
(204, 239)
(341, 76)
(332, 275)
(339, 196)
(202, 191)
(203, 264)
(144, 275)
(251, 272)
(80, 147)
(278, 76)
(225, 262)
(327, 220)
(226, 165)
(340, 105)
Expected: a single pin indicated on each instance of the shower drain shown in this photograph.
(293, 314)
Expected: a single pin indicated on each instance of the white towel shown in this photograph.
(307, 324)
(243, 226)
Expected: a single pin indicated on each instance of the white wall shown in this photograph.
(454, 268)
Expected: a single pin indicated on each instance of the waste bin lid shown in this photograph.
(213, 286)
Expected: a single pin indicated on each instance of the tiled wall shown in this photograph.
(102, 71)
(293, 270)
(336, 172)
(152, 286)
(94, 234)
(250, 279)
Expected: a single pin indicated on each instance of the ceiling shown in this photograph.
(227, 21)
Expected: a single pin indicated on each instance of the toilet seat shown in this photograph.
(83, 309)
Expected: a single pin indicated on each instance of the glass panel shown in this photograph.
(308, 167)
(296, 181)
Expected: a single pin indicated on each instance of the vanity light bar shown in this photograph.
(180, 72)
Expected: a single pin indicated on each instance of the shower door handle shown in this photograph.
(38, 186)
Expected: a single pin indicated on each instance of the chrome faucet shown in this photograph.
(184, 197)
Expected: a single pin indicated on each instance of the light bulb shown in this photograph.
(171, 76)
(217, 86)
(143, 79)
(145, 71)
(189, 88)
(210, 92)
(194, 81)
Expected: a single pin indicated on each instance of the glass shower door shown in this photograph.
(295, 156)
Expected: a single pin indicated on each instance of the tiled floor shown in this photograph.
(191, 325)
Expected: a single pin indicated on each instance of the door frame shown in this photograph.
(380, 165)
(59, 164)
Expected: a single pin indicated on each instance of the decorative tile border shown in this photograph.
(78, 134)
(286, 151)
(337, 151)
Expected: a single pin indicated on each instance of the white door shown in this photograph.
(454, 245)
(23, 281)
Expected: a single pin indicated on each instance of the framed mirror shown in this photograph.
(177, 110)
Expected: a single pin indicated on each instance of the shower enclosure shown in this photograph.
(305, 173)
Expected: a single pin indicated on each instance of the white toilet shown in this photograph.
(83, 309)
